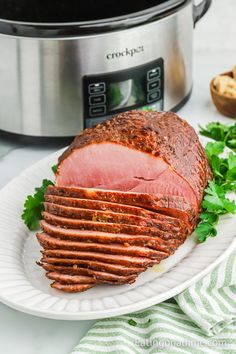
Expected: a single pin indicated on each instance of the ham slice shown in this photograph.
(50, 243)
(115, 207)
(100, 276)
(100, 266)
(108, 238)
(71, 288)
(108, 216)
(105, 227)
(70, 279)
(102, 257)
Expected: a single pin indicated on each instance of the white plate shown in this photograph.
(24, 287)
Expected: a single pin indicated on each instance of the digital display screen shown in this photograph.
(135, 88)
(126, 93)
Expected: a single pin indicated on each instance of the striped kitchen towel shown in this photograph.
(202, 319)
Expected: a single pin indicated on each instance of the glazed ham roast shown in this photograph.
(128, 192)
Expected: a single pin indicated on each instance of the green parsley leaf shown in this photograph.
(215, 148)
(132, 322)
(230, 186)
(216, 201)
(221, 132)
(231, 173)
(209, 217)
(217, 166)
(54, 168)
(33, 206)
(205, 230)
(232, 143)
(215, 130)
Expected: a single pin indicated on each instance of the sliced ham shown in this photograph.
(115, 207)
(70, 279)
(48, 242)
(100, 276)
(128, 261)
(108, 216)
(108, 238)
(170, 205)
(71, 288)
(105, 227)
(100, 266)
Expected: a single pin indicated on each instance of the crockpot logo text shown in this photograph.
(125, 53)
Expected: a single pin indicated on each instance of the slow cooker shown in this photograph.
(66, 65)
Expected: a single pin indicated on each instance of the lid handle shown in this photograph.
(200, 10)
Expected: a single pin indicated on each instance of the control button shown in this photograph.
(97, 111)
(154, 96)
(154, 85)
(99, 87)
(151, 74)
(97, 99)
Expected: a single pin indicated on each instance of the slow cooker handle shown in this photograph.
(200, 10)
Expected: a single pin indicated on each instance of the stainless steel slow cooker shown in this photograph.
(66, 65)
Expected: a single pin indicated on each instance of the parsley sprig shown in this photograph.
(221, 132)
(216, 201)
(33, 206)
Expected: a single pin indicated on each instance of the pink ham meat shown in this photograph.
(141, 152)
(169, 205)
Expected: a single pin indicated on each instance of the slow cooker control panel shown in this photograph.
(108, 94)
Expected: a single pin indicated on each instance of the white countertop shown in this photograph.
(214, 52)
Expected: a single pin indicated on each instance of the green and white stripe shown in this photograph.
(200, 320)
(211, 302)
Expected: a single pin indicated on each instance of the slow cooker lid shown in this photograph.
(53, 17)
